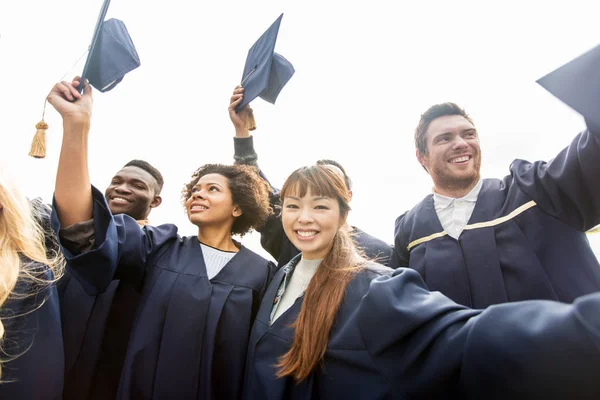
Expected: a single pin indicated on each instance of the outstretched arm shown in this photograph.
(522, 350)
(566, 187)
(73, 193)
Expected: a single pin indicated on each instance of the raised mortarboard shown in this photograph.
(577, 84)
(111, 56)
(265, 72)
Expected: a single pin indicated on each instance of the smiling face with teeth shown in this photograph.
(211, 202)
(453, 156)
(311, 222)
(132, 191)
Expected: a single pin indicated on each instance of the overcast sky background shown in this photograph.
(365, 71)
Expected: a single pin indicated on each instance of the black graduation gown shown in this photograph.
(525, 239)
(95, 329)
(349, 371)
(190, 335)
(33, 332)
(535, 349)
(402, 341)
(96, 333)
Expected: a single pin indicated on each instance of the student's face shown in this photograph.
(311, 223)
(211, 202)
(132, 192)
(454, 156)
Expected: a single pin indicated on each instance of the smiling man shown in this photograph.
(483, 242)
(135, 190)
(97, 328)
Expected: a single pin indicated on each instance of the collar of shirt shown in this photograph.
(443, 202)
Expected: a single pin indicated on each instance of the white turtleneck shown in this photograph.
(303, 273)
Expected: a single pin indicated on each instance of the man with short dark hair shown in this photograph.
(135, 190)
(483, 242)
(97, 328)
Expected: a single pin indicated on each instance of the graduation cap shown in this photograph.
(111, 56)
(265, 72)
(577, 84)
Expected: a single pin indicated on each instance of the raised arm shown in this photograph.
(272, 235)
(243, 144)
(73, 193)
(567, 186)
(115, 246)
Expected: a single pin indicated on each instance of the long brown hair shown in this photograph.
(326, 289)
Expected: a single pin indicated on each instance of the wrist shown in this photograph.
(242, 133)
(79, 118)
(79, 124)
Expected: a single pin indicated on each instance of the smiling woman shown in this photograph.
(338, 327)
(295, 331)
(217, 193)
(199, 293)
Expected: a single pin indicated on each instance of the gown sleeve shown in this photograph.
(567, 186)
(121, 248)
(400, 255)
(431, 345)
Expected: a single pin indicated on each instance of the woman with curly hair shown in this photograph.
(200, 294)
(31, 347)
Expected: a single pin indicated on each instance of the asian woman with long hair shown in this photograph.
(333, 325)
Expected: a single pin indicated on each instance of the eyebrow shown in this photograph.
(139, 181)
(314, 198)
(208, 184)
(134, 180)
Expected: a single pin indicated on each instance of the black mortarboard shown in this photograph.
(577, 84)
(266, 72)
(111, 56)
(112, 53)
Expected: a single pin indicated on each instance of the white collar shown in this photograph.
(441, 202)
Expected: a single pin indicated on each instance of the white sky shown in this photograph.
(365, 71)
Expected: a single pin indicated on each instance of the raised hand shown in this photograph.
(70, 104)
(242, 119)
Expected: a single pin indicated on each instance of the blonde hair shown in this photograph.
(22, 248)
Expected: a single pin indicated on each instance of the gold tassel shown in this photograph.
(38, 145)
(251, 124)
